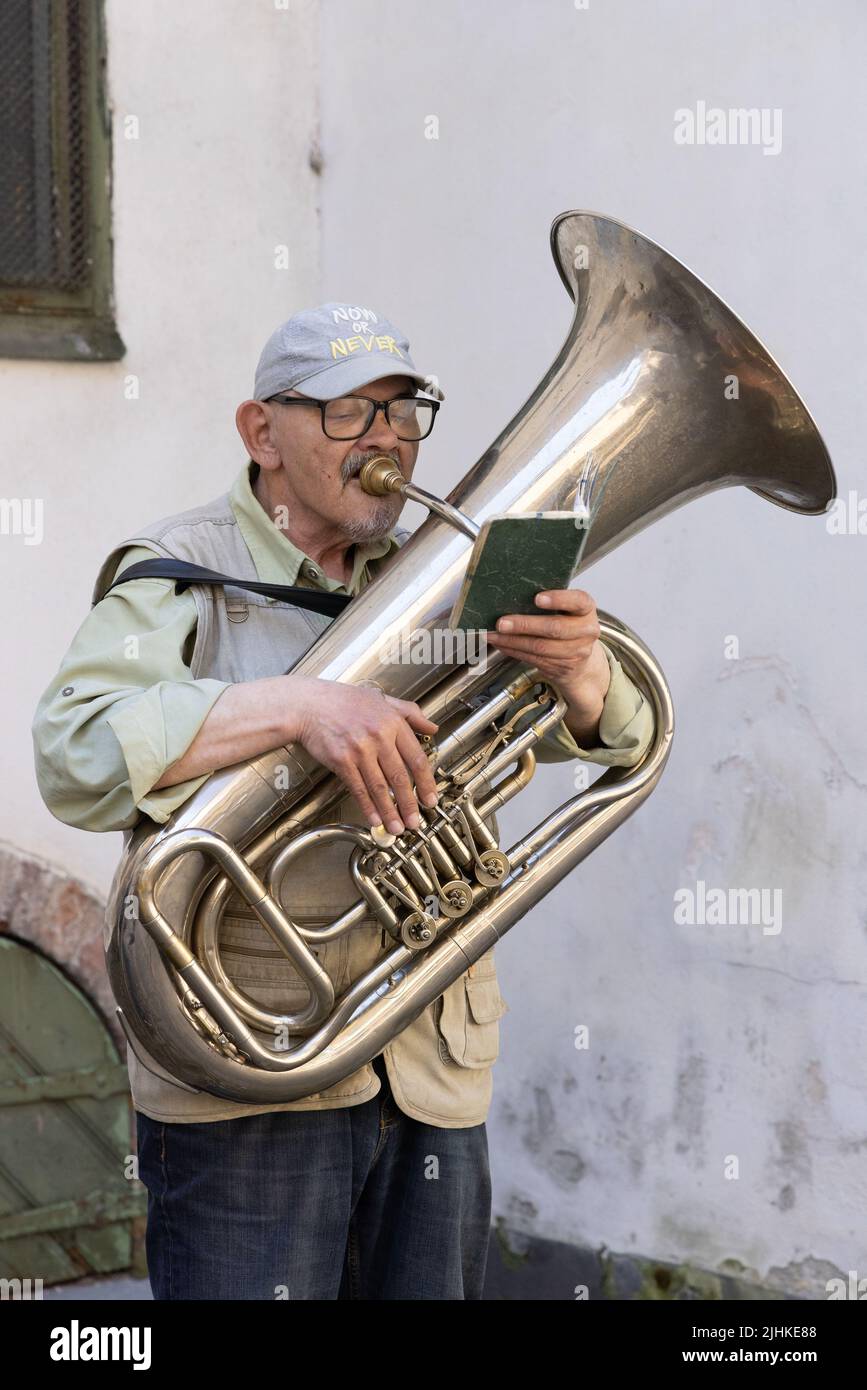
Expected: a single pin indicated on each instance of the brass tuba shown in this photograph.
(656, 376)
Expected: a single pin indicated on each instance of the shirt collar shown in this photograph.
(277, 560)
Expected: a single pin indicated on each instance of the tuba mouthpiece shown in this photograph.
(381, 475)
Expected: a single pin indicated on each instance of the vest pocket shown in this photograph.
(467, 1017)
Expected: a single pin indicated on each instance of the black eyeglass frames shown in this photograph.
(349, 417)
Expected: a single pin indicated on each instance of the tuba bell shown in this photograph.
(643, 386)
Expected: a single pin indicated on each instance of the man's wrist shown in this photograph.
(294, 692)
(585, 698)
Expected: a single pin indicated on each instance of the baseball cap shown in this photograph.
(333, 349)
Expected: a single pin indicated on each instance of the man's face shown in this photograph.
(323, 472)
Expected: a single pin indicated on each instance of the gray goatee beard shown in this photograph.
(381, 520)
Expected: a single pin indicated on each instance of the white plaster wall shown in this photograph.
(226, 99)
(705, 1042)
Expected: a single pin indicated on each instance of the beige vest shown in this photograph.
(440, 1066)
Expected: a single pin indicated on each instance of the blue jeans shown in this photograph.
(357, 1203)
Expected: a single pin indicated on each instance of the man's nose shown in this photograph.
(380, 432)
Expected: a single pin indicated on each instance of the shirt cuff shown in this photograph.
(154, 730)
(625, 726)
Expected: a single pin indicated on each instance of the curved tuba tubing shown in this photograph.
(641, 383)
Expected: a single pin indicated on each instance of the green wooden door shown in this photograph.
(66, 1203)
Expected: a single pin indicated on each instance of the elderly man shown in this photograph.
(330, 1196)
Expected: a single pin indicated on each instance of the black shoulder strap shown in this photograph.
(186, 574)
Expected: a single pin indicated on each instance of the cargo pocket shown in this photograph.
(467, 1017)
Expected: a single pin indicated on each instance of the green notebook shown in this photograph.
(513, 559)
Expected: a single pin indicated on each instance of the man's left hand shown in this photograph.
(563, 643)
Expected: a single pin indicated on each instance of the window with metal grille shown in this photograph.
(55, 160)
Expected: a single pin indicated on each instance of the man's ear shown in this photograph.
(253, 422)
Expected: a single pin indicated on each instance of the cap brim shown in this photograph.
(341, 377)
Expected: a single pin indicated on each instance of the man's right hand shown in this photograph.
(368, 740)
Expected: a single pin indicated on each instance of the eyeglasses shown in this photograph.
(349, 417)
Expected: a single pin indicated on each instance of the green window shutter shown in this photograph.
(68, 1205)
